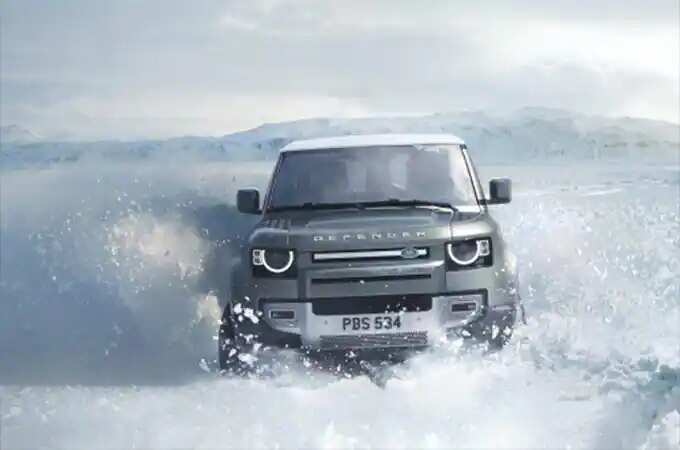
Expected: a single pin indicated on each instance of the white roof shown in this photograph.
(371, 140)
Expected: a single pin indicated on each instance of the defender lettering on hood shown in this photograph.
(376, 236)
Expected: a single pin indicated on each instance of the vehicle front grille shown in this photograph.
(372, 305)
(410, 339)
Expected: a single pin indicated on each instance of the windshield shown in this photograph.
(416, 174)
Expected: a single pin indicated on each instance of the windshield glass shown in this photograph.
(434, 173)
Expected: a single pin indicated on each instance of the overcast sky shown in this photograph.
(127, 69)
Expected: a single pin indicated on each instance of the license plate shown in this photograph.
(372, 323)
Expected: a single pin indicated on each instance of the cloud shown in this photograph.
(126, 69)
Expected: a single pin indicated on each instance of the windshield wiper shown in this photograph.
(316, 205)
(362, 205)
(410, 202)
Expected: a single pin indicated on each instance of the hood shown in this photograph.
(350, 228)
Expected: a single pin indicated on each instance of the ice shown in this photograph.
(108, 319)
(665, 433)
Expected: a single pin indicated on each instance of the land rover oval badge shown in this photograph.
(409, 253)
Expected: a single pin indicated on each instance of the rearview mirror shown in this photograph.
(248, 201)
(500, 191)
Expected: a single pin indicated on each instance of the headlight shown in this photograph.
(469, 254)
(268, 262)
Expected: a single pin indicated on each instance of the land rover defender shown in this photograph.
(370, 242)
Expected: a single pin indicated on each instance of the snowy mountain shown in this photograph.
(529, 134)
(16, 134)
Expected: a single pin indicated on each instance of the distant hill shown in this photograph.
(17, 134)
(526, 135)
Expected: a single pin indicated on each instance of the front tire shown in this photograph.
(226, 348)
(234, 355)
(495, 329)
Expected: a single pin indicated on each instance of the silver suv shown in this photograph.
(370, 242)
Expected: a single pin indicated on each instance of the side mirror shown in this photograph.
(248, 201)
(500, 191)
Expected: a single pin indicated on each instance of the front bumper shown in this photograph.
(423, 319)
